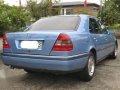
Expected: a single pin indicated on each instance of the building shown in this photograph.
(67, 8)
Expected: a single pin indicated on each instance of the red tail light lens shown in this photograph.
(5, 42)
(63, 43)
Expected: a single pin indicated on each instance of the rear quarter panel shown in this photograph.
(80, 38)
(81, 44)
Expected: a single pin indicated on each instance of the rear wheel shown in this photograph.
(89, 70)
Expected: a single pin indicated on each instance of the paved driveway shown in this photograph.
(107, 77)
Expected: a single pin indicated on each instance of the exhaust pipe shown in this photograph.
(14, 67)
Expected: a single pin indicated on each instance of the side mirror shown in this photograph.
(102, 26)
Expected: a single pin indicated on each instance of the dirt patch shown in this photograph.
(117, 34)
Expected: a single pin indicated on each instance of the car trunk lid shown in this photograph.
(40, 43)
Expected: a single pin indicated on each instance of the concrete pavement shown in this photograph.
(107, 77)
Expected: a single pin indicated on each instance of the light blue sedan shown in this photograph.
(70, 43)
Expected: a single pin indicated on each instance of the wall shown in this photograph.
(81, 10)
(87, 10)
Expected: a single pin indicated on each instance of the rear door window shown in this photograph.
(94, 26)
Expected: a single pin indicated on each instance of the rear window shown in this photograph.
(56, 23)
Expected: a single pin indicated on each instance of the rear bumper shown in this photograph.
(50, 63)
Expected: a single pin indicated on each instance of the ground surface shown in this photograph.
(0, 44)
(107, 77)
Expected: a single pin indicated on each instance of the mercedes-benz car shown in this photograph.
(65, 43)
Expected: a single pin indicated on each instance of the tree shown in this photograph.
(41, 9)
(111, 11)
(12, 18)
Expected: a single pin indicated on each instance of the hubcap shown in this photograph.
(91, 66)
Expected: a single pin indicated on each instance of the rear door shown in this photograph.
(98, 38)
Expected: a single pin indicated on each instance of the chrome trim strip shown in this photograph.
(45, 57)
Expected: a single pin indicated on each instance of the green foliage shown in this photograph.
(41, 9)
(12, 18)
(115, 26)
(111, 12)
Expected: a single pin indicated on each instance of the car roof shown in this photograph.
(81, 15)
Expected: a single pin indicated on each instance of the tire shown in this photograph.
(115, 52)
(89, 70)
(29, 71)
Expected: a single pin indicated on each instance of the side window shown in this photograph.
(94, 26)
(103, 28)
(91, 28)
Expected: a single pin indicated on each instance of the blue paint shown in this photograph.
(83, 41)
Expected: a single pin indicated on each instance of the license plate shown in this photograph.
(31, 44)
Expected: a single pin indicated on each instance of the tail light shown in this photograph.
(5, 42)
(63, 43)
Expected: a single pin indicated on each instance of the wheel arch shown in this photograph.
(116, 42)
(93, 50)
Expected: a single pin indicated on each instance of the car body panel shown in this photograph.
(83, 42)
(15, 39)
(65, 65)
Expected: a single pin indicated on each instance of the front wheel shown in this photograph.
(89, 70)
(29, 71)
(115, 52)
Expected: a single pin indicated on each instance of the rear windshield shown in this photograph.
(55, 23)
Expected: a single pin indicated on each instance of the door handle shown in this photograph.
(106, 38)
(95, 39)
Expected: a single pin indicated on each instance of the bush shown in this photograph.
(115, 26)
(12, 18)
(1, 34)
